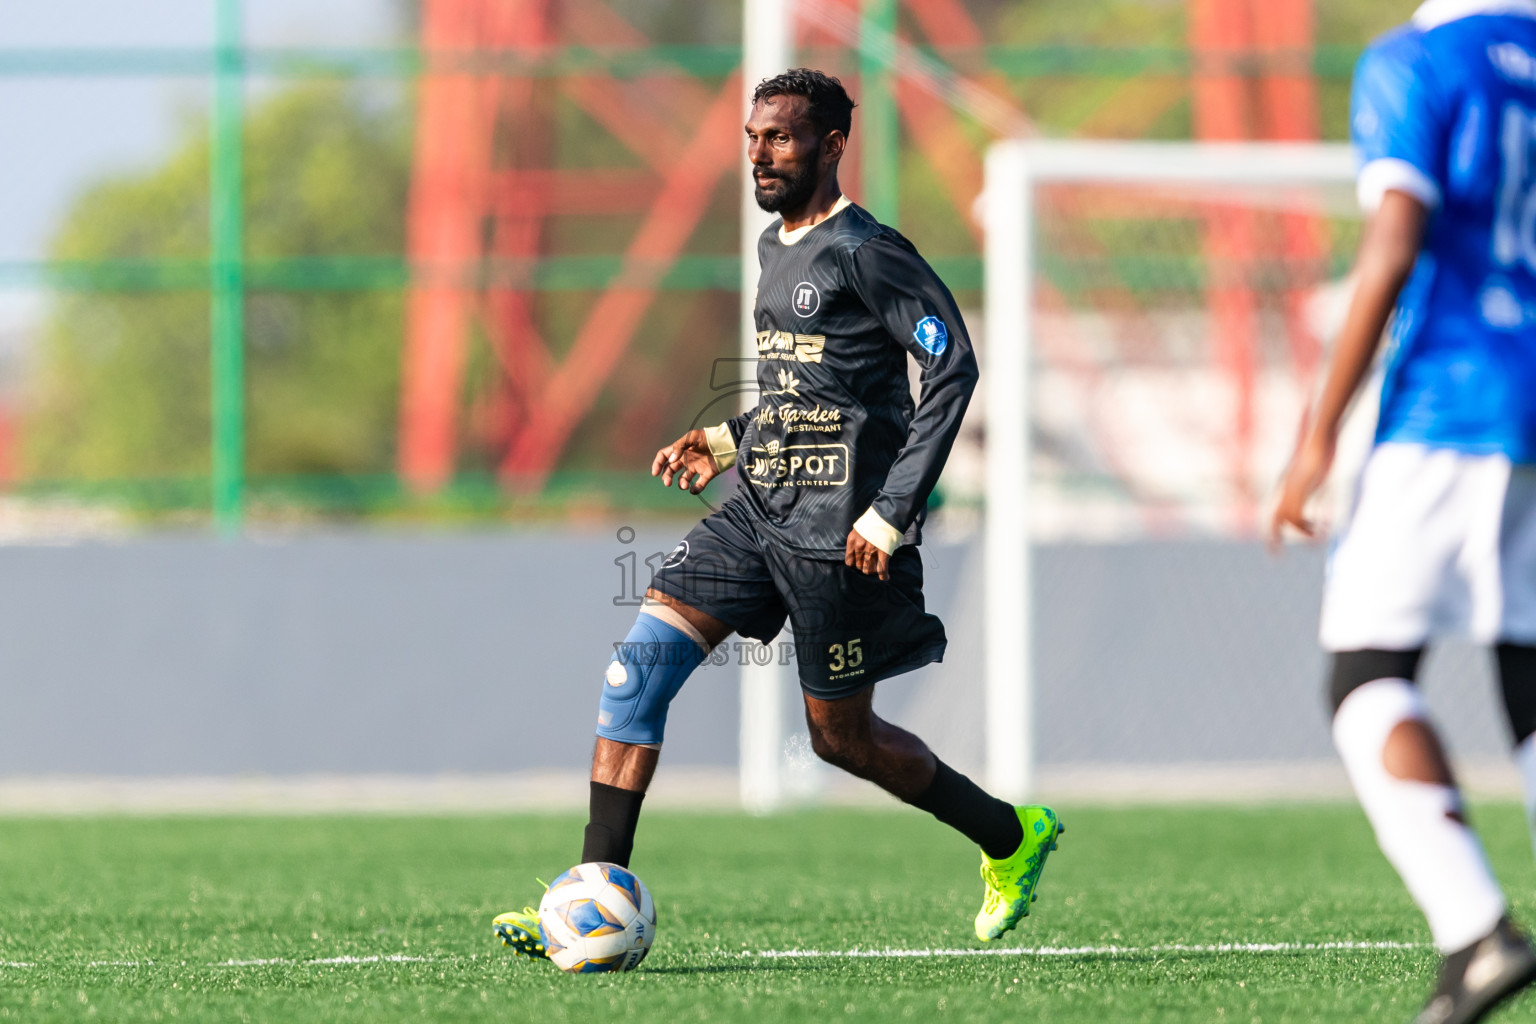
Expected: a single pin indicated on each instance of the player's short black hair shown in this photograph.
(828, 103)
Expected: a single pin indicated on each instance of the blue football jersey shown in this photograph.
(1444, 109)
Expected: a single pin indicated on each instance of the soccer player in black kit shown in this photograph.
(836, 464)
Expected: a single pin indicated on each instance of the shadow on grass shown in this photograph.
(740, 967)
(1206, 958)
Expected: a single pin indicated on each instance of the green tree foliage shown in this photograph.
(121, 389)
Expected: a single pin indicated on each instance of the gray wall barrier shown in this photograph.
(483, 653)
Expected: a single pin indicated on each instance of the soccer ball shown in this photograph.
(597, 918)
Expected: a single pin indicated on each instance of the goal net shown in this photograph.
(1156, 316)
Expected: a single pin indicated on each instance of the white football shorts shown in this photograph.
(1440, 544)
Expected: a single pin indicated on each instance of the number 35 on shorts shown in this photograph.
(849, 655)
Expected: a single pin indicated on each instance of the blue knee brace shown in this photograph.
(646, 672)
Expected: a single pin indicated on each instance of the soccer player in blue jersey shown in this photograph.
(1442, 537)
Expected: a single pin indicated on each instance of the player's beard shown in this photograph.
(794, 191)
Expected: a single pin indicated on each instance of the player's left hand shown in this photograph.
(865, 557)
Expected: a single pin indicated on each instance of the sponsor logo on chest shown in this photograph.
(806, 299)
(799, 465)
(802, 348)
(798, 419)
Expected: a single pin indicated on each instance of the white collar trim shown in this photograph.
(1434, 13)
(791, 237)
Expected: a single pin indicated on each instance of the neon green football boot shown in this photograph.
(1011, 882)
(520, 930)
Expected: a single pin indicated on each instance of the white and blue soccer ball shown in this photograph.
(597, 918)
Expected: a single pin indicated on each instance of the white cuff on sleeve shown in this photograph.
(1389, 174)
(721, 445)
(878, 532)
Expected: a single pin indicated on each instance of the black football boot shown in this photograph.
(1476, 979)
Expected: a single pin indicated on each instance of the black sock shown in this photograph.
(611, 825)
(990, 823)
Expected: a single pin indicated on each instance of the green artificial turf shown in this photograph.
(126, 919)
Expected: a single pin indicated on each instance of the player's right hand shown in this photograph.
(1307, 472)
(689, 460)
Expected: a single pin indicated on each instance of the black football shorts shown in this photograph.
(850, 630)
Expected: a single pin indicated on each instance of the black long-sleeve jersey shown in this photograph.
(835, 434)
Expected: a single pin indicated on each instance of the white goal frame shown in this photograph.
(768, 39)
(1013, 171)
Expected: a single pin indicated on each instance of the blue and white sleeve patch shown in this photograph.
(932, 335)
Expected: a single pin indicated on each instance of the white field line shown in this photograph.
(330, 960)
(838, 954)
(275, 962)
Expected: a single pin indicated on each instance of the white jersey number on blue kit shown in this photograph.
(1514, 233)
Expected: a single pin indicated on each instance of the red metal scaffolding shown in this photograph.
(1253, 80)
(484, 188)
(487, 184)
